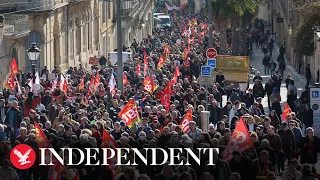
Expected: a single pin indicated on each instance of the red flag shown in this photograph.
(125, 79)
(149, 85)
(165, 99)
(129, 113)
(109, 142)
(10, 82)
(239, 141)
(92, 83)
(138, 68)
(166, 49)
(186, 119)
(161, 61)
(145, 62)
(43, 142)
(13, 66)
(175, 76)
(97, 80)
(286, 111)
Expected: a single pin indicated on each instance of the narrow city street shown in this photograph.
(300, 80)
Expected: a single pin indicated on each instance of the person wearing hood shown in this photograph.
(275, 99)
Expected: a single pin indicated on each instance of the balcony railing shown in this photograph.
(36, 5)
(16, 25)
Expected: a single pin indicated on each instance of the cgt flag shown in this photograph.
(14, 66)
(149, 85)
(286, 111)
(165, 99)
(239, 141)
(43, 142)
(129, 113)
(185, 122)
(109, 142)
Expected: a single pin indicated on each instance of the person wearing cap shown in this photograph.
(296, 131)
(288, 142)
(124, 127)
(260, 132)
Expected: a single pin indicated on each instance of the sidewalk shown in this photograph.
(256, 63)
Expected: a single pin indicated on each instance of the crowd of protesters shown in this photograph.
(73, 118)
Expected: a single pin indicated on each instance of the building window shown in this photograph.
(85, 37)
(104, 12)
(96, 31)
(89, 34)
(71, 43)
(109, 10)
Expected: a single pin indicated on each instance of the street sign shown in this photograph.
(212, 63)
(206, 71)
(211, 53)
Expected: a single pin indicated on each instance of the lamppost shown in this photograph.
(33, 54)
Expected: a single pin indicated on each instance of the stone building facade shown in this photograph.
(68, 32)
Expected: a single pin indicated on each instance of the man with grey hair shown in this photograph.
(13, 120)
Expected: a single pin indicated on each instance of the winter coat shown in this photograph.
(288, 140)
(309, 151)
(275, 141)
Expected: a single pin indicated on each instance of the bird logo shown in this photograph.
(22, 156)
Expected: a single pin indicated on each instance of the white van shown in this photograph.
(164, 21)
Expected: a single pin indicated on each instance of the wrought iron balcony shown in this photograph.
(16, 25)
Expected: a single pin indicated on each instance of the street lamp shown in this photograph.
(33, 54)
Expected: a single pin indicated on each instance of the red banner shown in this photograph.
(239, 141)
(94, 61)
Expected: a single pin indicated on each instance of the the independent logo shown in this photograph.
(22, 156)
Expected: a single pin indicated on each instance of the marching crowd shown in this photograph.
(83, 107)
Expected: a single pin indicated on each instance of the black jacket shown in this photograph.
(288, 140)
(244, 168)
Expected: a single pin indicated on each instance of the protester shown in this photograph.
(162, 105)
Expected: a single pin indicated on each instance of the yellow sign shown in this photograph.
(233, 63)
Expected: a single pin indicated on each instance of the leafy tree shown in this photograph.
(304, 43)
(229, 13)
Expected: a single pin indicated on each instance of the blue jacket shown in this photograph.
(297, 135)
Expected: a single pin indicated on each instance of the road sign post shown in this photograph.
(206, 72)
